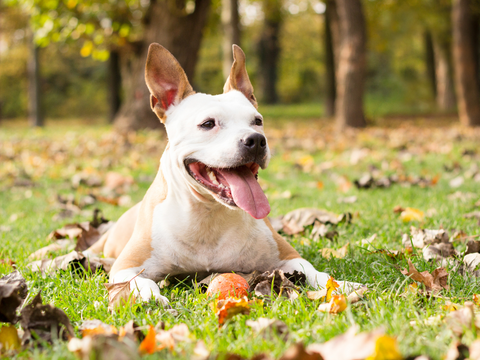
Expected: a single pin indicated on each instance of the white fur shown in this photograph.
(192, 231)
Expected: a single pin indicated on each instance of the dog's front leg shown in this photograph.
(141, 287)
(315, 278)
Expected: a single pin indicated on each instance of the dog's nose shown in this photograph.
(254, 142)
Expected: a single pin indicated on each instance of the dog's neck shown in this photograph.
(195, 213)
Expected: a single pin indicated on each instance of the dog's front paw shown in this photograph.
(147, 289)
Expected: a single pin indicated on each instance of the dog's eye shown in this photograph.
(207, 125)
(258, 121)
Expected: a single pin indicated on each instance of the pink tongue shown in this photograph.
(246, 191)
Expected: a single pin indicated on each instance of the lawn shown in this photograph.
(310, 167)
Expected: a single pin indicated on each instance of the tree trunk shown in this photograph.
(351, 66)
(430, 62)
(330, 91)
(443, 74)
(35, 111)
(170, 25)
(231, 32)
(114, 84)
(269, 50)
(464, 58)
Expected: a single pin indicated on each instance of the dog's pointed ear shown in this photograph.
(238, 78)
(166, 80)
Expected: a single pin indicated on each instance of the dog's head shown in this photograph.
(216, 140)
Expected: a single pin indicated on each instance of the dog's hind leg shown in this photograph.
(97, 248)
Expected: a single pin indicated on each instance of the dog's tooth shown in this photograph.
(212, 177)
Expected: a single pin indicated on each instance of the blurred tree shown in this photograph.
(430, 61)
(332, 44)
(35, 109)
(231, 32)
(351, 65)
(466, 79)
(127, 28)
(269, 50)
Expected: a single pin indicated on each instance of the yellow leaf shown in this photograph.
(228, 308)
(449, 306)
(9, 337)
(335, 306)
(411, 214)
(338, 304)
(476, 299)
(327, 253)
(386, 348)
(332, 285)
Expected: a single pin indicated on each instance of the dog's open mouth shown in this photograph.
(234, 186)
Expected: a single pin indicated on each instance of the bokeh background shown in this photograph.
(352, 61)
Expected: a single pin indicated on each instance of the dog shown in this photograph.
(205, 211)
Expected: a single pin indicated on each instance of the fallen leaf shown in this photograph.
(97, 327)
(328, 253)
(39, 321)
(472, 247)
(168, 339)
(9, 340)
(411, 214)
(476, 299)
(295, 221)
(200, 352)
(458, 351)
(356, 295)
(120, 294)
(348, 346)
(105, 347)
(433, 282)
(72, 261)
(386, 348)
(13, 291)
(276, 281)
(470, 264)
(337, 304)
(462, 319)
(228, 308)
(149, 344)
(298, 352)
(331, 286)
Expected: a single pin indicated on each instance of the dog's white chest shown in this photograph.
(183, 244)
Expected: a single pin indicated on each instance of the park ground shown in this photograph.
(310, 167)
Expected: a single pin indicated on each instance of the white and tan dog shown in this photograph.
(205, 211)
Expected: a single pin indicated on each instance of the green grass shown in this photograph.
(26, 217)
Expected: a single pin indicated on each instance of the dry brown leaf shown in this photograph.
(119, 294)
(13, 291)
(356, 295)
(462, 319)
(433, 282)
(328, 253)
(44, 320)
(277, 280)
(348, 346)
(105, 347)
(295, 221)
(73, 260)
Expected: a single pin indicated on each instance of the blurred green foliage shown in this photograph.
(76, 33)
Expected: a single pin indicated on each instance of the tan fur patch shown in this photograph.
(139, 248)
(287, 252)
